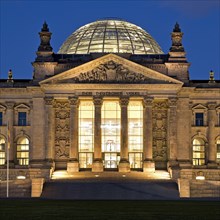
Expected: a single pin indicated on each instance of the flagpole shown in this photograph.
(8, 146)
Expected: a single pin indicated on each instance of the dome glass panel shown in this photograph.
(110, 36)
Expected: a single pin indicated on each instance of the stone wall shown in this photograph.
(28, 173)
(17, 188)
(199, 188)
(209, 174)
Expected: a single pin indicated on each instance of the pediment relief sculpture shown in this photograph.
(111, 72)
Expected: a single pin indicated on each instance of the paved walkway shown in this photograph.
(111, 186)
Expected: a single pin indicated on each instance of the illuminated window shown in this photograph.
(1, 118)
(135, 133)
(199, 119)
(23, 151)
(86, 134)
(218, 150)
(111, 122)
(2, 151)
(198, 152)
(22, 118)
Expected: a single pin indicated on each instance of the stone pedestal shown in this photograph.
(73, 167)
(124, 167)
(97, 166)
(212, 165)
(37, 187)
(149, 166)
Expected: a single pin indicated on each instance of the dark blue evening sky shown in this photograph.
(22, 20)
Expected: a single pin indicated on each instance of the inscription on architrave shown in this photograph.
(160, 131)
(62, 132)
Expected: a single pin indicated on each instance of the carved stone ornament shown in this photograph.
(74, 101)
(159, 116)
(97, 101)
(48, 100)
(111, 72)
(62, 129)
(124, 101)
(147, 102)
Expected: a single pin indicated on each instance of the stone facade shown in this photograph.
(51, 102)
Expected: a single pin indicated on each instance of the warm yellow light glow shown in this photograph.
(200, 178)
(21, 177)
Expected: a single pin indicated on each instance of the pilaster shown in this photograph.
(148, 164)
(10, 121)
(211, 135)
(172, 129)
(50, 129)
(124, 165)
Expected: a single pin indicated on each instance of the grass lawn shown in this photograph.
(116, 210)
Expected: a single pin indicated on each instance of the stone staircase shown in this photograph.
(110, 186)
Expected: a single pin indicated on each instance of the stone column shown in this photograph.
(124, 165)
(73, 164)
(97, 165)
(148, 164)
(50, 130)
(211, 135)
(10, 121)
(172, 129)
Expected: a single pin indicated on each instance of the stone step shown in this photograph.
(110, 185)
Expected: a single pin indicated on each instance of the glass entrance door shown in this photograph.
(111, 160)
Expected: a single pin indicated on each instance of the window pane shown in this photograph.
(111, 122)
(22, 118)
(199, 119)
(198, 152)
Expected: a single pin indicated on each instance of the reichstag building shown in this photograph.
(110, 99)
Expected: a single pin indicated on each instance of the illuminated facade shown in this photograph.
(110, 99)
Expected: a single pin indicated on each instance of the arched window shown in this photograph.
(2, 151)
(218, 150)
(23, 151)
(198, 151)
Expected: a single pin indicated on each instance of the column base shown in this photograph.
(124, 166)
(185, 164)
(72, 167)
(97, 166)
(212, 165)
(149, 166)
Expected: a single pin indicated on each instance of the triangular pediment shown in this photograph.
(111, 69)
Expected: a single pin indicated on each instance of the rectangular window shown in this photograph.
(199, 119)
(22, 118)
(1, 118)
(86, 133)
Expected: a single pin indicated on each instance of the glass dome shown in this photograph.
(110, 36)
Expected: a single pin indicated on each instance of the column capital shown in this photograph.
(147, 101)
(49, 100)
(212, 105)
(74, 100)
(97, 100)
(172, 102)
(10, 105)
(124, 100)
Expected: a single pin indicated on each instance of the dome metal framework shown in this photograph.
(110, 36)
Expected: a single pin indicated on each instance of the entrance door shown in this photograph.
(110, 160)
